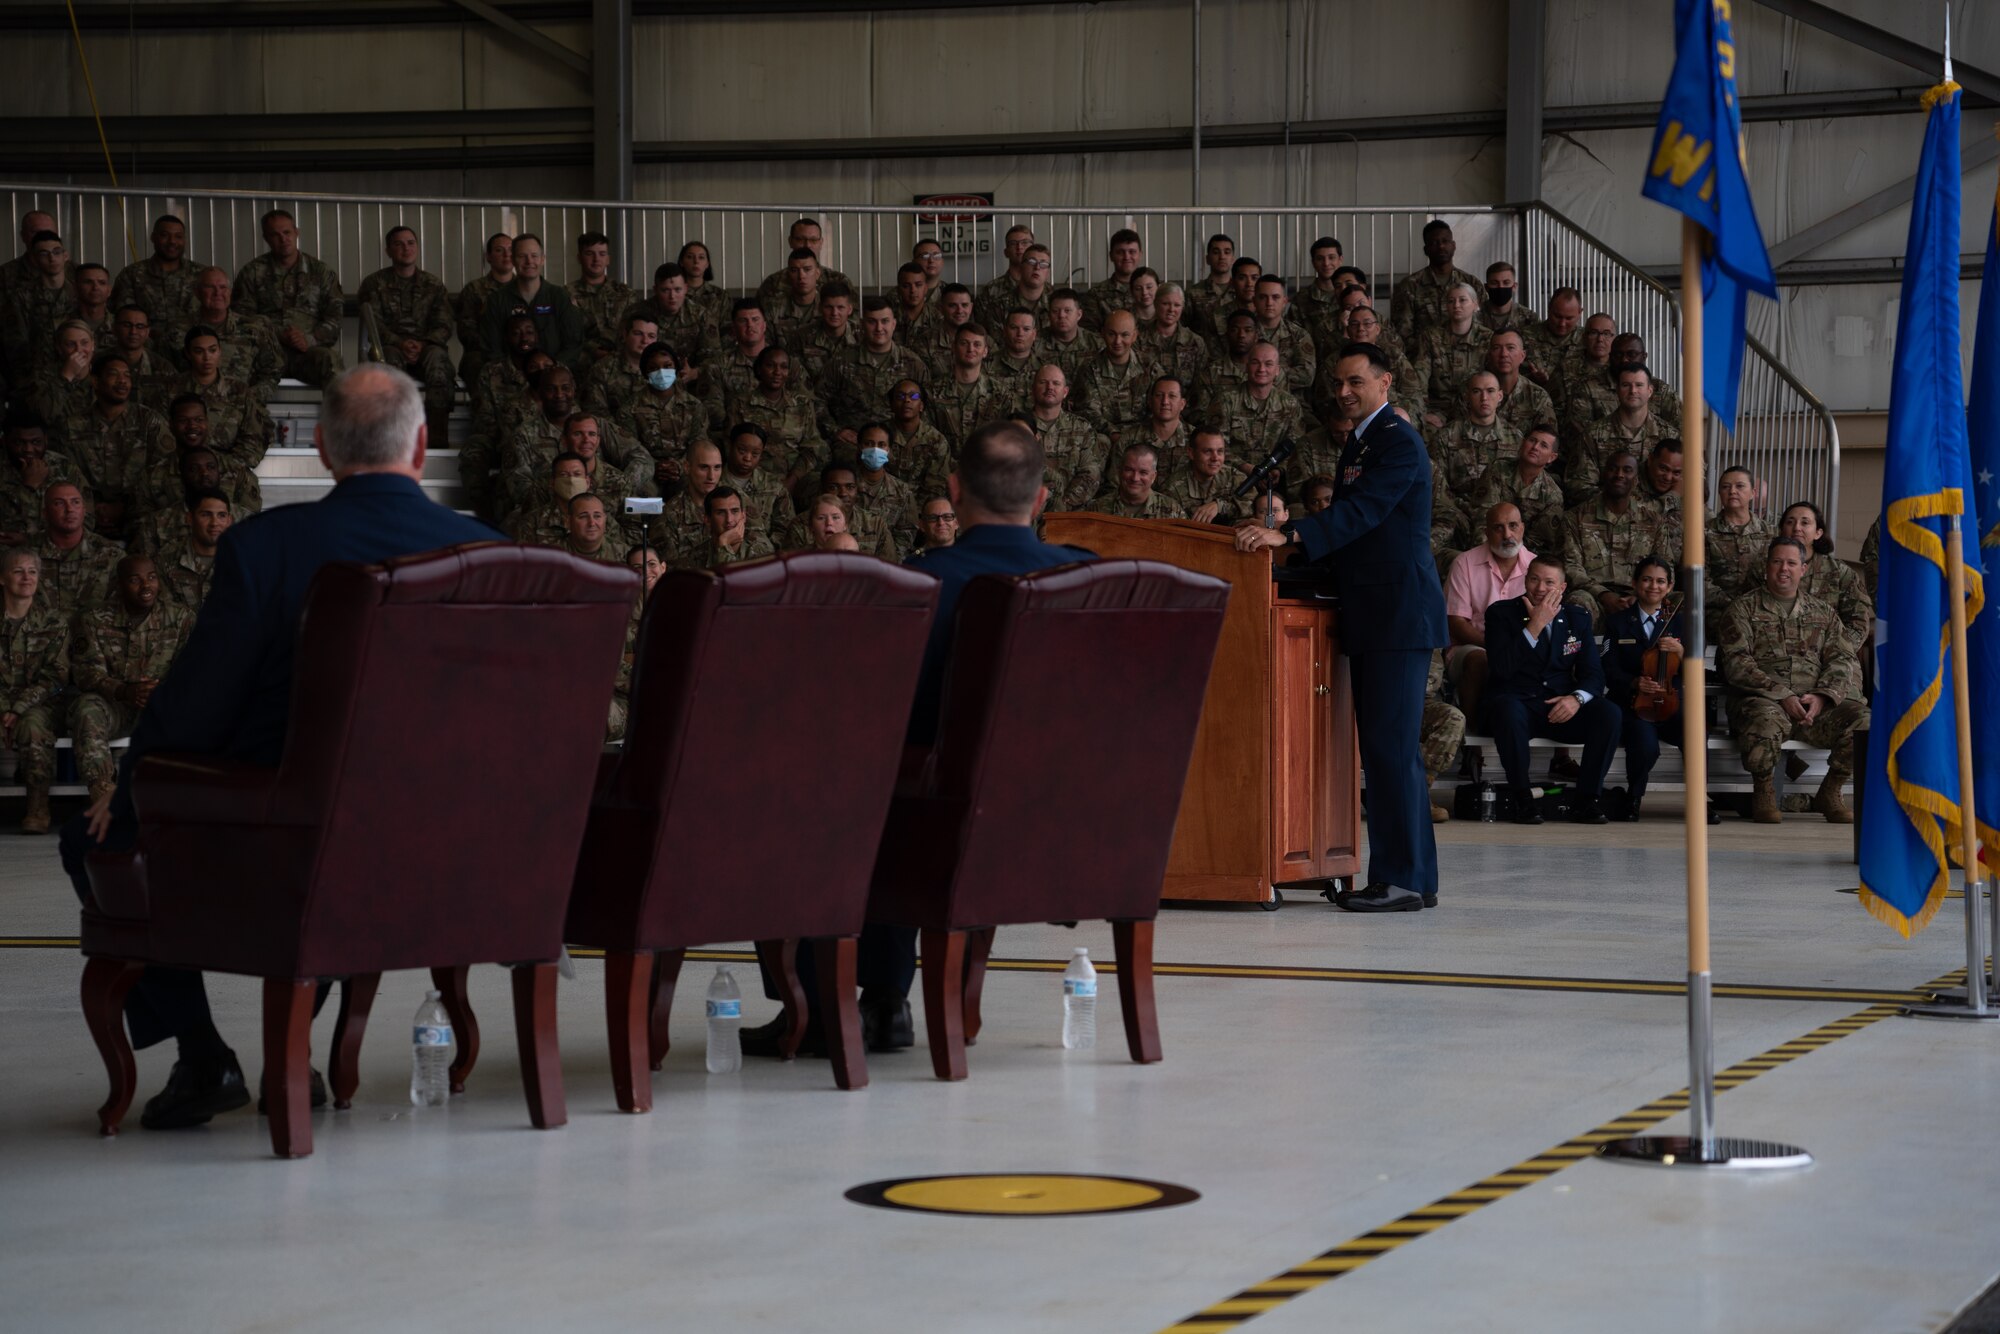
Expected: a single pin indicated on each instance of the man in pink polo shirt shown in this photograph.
(1482, 576)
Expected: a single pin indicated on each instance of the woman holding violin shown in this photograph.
(1642, 671)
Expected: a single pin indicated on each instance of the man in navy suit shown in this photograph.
(1544, 680)
(229, 691)
(1377, 533)
(996, 492)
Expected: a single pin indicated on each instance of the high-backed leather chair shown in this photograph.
(447, 718)
(769, 702)
(1063, 743)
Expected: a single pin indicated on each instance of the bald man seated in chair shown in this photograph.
(229, 692)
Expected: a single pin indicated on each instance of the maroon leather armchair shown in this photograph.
(769, 702)
(447, 718)
(1063, 743)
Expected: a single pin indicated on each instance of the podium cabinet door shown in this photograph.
(1298, 675)
(1336, 763)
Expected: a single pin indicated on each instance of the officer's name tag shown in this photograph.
(1628, 641)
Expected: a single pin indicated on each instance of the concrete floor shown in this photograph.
(1305, 1111)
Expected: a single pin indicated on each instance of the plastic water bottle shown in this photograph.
(725, 1019)
(1080, 1002)
(1489, 805)
(430, 1053)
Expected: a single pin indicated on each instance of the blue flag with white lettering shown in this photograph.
(1697, 169)
(1983, 522)
(1910, 824)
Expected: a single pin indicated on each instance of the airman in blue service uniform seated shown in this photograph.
(1376, 539)
(996, 492)
(1652, 621)
(1545, 680)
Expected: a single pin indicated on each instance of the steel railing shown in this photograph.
(1785, 434)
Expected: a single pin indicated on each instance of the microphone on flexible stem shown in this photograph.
(1279, 453)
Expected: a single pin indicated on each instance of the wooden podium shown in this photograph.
(1273, 795)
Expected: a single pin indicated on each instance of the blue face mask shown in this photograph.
(874, 458)
(662, 379)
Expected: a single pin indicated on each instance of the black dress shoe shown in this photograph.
(1588, 812)
(1714, 815)
(1383, 898)
(1630, 815)
(886, 1024)
(1526, 813)
(766, 1040)
(196, 1094)
(318, 1093)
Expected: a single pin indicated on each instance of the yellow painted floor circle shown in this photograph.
(1021, 1195)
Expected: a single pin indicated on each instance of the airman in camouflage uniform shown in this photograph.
(1074, 455)
(1538, 495)
(1134, 496)
(861, 378)
(793, 446)
(162, 283)
(601, 305)
(1615, 433)
(1256, 417)
(36, 307)
(296, 292)
(889, 498)
(664, 425)
(765, 498)
(532, 439)
(732, 372)
(1298, 355)
(918, 451)
(78, 576)
(1477, 440)
(1871, 557)
(1203, 477)
(1364, 326)
(1834, 582)
(409, 310)
(1452, 529)
(682, 526)
(805, 234)
(818, 345)
(1418, 301)
(250, 350)
(614, 386)
(1183, 354)
(686, 326)
(794, 307)
(25, 454)
(1112, 388)
(1442, 736)
(113, 443)
(1604, 538)
(1065, 341)
(1318, 453)
(34, 668)
(1443, 360)
(1776, 652)
(1115, 292)
(468, 308)
(186, 571)
(122, 650)
(583, 536)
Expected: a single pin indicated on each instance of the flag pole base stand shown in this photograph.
(1726, 1154)
(1950, 1005)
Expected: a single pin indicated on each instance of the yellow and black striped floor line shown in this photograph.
(1278, 972)
(1234, 1311)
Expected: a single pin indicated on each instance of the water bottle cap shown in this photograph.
(1082, 953)
(433, 995)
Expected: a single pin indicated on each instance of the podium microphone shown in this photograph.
(1279, 453)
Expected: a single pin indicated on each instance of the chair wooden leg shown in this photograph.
(666, 974)
(357, 997)
(450, 983)
(781, 958)
(1133, 944)
(840, 1012)
(628, 1011)
(535, 1030)
(288, 1012)
(944, 1000)
(106, 983)
(978, 945)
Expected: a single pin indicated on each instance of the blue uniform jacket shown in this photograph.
(1565, 659)
(1628, 646)
(229, 691)
(1378, 531)
(987, 548)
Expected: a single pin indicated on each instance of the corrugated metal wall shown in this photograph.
(1039, 69)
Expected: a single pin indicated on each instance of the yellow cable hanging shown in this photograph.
(90, 86)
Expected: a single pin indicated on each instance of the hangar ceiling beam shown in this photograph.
(531, 37)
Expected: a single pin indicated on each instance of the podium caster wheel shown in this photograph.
(1334, 889)
(1275, 902)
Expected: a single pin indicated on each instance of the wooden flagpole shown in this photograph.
(1694, 700)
